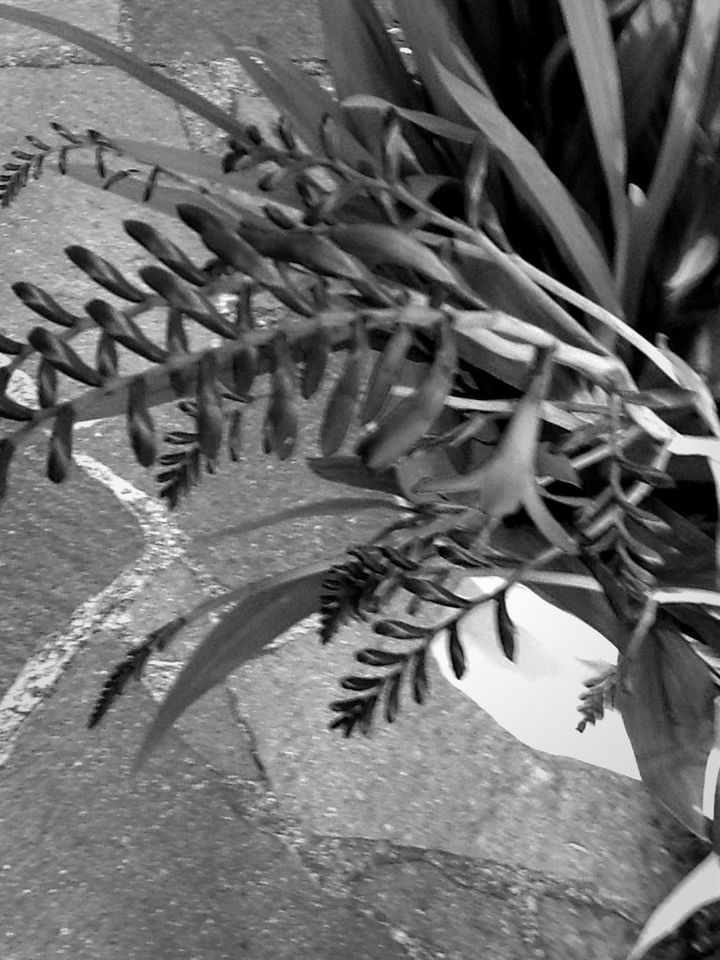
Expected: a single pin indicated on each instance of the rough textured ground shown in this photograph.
(254, 833)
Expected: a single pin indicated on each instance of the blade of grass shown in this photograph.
(115, 56)
(680, 131)
(594, 52)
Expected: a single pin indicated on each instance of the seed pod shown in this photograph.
(341, 406)
(278, 217)
(281, 423)
(165, 251)
(400, 630)
(105, 274)
(235, 435)
(386, 372)
(392, 697)
(409, 421)
(244, 370)
(419, 676)
(62, 156)
(10, 347)
(7, 449)
(106, 356)
(141, 429)
(475, 176)
(150, 183)
(505, 627)
(62, 356)
(209, 417)
(124, 330)
(316, 351)
(11, 410)
(286, 133)
(47, 383)
(175, 335)
(60, 448)
(456, 652)
(43, 304)
(183, 297)
(434, 593)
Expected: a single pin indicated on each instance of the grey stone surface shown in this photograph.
(182, 29)
(19, 44)
(192, 862)
(571, 930)
(446, 917)
(172, 865)
(59, 546)
(445, 776)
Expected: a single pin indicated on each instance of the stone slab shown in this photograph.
(445, 776)
(182, 29)
(171, 865)
(20, 44)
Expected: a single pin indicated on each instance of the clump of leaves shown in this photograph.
(534, 240)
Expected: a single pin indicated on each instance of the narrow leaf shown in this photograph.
(678, 139)
(386, 372)
(407, 423)
(592, 44)
(536, 183)
(265, 609)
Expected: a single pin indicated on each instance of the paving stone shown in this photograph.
(182, 29)
(60, 545)
(445, 776)
(19, 43)
(169, 865)
(570, 930)
(449, 920)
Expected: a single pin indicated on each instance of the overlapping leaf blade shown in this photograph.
(264, 610)
(593, 48)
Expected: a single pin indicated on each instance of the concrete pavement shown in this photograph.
(255, 832)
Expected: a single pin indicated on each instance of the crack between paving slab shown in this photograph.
(345, 861)
(249, 735)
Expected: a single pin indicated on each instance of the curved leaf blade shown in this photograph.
(265, 610)
(592, 45)
(534, 180)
